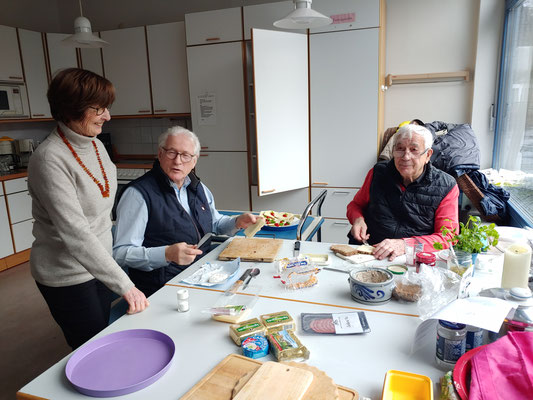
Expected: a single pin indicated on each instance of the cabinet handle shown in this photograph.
(320, 183)
(268, 191)
(204, 155)
(211, 39)
(159, 111)
(204, 147)
(15, 77)
(38, 115)
(339, 192)
(341, 223)
(144, 111)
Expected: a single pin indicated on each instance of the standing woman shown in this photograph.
(72, 182)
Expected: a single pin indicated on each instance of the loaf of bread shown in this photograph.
(343, 249)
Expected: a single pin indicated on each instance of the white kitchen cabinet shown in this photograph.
(334, 230)
(263, 16)
(344, 106)
(216, 86)
(6, 244)
(31, 47)
(168, 68)
(293, 201)
(226, 176)
(336, 201)
(214, 26)
(59, 55)
(16, 185)
(22, 235)
(348, 14)
(19, 206)
(10, 66)
(91, 60)
(126, 66)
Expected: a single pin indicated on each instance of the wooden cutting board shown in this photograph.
(218, 384)
(276, 381)
(253, 249)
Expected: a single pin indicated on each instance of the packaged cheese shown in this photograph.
(277, 321)
(286, 346)
(245, 329)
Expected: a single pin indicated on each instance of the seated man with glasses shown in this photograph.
(403, 198)
(162, 215)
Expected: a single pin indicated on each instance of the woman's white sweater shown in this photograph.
(72, 227)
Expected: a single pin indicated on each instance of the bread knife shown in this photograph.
(233, 289)
(204, 239)
(296, 251)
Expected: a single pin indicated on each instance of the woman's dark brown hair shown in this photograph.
(73, 90)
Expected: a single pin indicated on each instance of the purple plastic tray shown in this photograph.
(120, 363)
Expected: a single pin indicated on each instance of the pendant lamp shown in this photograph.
(83, 34)
(303, 17)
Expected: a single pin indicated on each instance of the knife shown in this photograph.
(233, 289)
(296, 251)
(204, 239)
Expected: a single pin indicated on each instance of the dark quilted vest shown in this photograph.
(393, 213)
(169, 223)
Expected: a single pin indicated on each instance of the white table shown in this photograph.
(356, 361)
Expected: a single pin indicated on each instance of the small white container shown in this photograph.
(451, 343)
(183, 300)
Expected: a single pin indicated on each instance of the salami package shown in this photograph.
(335, 324)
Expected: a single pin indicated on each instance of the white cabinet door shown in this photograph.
(336, 201)
(19, 206)
(335, 231)
(344, 106)
(59, 55)
(10, 66)
(226, 176)
(23, 236)
(91, 60)
(348, 14)
(126, 66)
(16, 185)
(293, 201)
(6, 244)
(216, 83)
(168, 68)
(214, 26)
(281, 110)
(31, 46)
(263, 16)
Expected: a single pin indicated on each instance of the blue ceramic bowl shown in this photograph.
(371, 285)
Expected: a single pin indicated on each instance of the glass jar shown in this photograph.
(425, 258)
(459, 261)
(451, 343)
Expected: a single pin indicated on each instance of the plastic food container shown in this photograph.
(405, 385)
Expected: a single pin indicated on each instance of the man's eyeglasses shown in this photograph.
(415, 153)
(100, 111)
(172, 154)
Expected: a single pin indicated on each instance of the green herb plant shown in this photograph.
(472, 238)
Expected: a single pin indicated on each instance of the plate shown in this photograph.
(461, 373)
(120, 363)
(293, 225)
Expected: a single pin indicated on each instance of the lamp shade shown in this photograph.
(303, 17)
(83, 35)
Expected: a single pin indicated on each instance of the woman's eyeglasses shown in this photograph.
(172, 154)
(100, 111)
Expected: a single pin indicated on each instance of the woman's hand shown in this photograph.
(359, 230)
(136, 299)
(182, 253)
(391, 248)
(243, 221)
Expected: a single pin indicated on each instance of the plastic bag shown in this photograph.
(408, 287)
(300, 277)
(439, 288)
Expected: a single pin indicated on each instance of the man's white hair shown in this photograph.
(176, 131)
(407, 131)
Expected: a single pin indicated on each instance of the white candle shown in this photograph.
(516, 264)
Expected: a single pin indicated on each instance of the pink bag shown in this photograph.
(504, 369)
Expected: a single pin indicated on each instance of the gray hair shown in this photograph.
(176, 131)
(407, 131)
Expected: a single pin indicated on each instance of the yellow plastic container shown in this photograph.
(400, 385)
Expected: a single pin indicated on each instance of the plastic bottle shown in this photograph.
(451, 343)
(474, 337)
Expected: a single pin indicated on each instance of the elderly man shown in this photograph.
(162, 215)
(405, 197)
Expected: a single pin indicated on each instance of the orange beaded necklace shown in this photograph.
(103, 190)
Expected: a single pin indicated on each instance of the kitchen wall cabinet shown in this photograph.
(168, 68)
(216, 85)
(31, 46)
(348, 14)
(226, 176)
(6, 245)
(91, 60)
(59, 55)
(126, 66)
(214, 26)
(263, 16)
(10, 67)
(293, 201)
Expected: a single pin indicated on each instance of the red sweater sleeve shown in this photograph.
(357, 206)
(448, 210)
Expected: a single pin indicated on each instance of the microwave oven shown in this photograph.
(13, 100)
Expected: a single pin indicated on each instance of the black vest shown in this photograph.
(393, 213)
(169, 223)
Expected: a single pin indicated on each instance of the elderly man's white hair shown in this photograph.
(176, 131)
(407, 131)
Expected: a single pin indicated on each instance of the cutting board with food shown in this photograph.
(262, 250)
(227, 380)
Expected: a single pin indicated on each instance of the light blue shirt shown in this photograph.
(132, 217)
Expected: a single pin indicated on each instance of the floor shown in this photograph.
(30, 340)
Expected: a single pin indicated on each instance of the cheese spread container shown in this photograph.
(286, 346)
(245, 329)
(277, 321)
(255, 347)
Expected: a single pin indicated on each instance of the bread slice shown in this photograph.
(365, 249)
(253, 229)
(343, 249)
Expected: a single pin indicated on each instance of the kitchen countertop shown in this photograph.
(17, 173)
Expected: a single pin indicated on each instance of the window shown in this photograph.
(513, 147)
